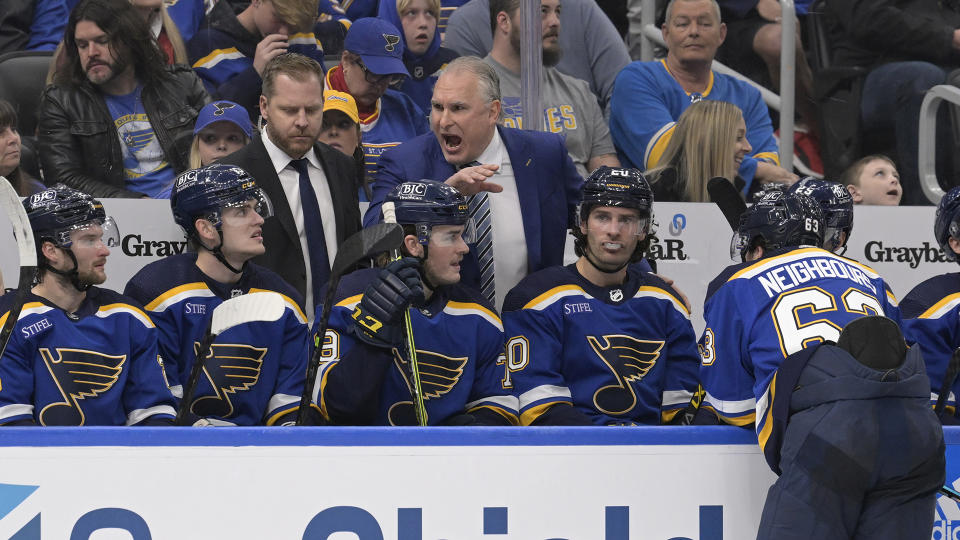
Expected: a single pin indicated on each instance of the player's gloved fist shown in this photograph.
(379, 315)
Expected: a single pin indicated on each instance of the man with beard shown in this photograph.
(600, 342)
(311, 185)
(568, 105)
(116, 122)
(79, 355)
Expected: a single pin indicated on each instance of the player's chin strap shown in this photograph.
(218, 253)
(73, 274)
(423, 275)
(586, 254)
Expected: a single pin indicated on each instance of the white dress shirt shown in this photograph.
(290, 181)
(509, 239)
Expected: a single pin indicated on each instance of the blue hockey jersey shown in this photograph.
(619, 355)
(459, 342)
(256, 372)
(931, 319)
(96, 367)
(757, 313)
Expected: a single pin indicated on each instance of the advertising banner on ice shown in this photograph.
(381, 484)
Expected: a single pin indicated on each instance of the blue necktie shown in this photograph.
(313, 228)
(479, 207)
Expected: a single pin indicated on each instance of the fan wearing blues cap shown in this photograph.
(372, 62)
(222, 128)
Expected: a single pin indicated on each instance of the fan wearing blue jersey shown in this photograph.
(79, 355)
(255, 372)
(805, 345)
(366, 376)
(837, 206)
(600, 342)
(931, 311)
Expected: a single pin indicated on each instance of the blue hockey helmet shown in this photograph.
(617, 186)
(947, 222)
(779, 220)
(56, 212)
(204, 192)
(837, 206)
(425, 203)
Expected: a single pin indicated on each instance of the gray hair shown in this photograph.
(487, 78)
(716, 9)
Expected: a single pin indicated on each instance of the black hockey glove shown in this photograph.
(378, 318)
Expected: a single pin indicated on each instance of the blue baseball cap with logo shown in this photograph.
(378, 44)
(226, 111)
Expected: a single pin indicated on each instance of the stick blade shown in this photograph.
(723, 193)
(253, 307)
(13, 208)
(366, 242)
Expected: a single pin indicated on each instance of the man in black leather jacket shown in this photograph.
(116, 122)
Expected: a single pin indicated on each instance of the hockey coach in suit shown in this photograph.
(523, 186)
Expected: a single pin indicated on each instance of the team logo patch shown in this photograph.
(392, 41)
(79, 375)
(438, 375)
(222, 108)
(629, 360)
(229, 368)
(418, 72)
(616, 295)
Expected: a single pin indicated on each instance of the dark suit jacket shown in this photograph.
(547, 183)
(283, 254)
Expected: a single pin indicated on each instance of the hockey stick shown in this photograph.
(419, 408)
(11, 205)
(723, 193)
(363, 244)
(253, 307)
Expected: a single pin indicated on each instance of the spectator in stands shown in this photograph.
(650, 96)
(422, 54)
(222, 128)
(523, 184)
(908, 46)
(231, 50)
(341, 130)
(593, 50)
(568, 105)
(164, 30)
(752, 47)
(370, 63)
(188, 15)
(117, 122)
(873, 180)
(310, 184)
(709, 141)
(32, 25)
(10, 149)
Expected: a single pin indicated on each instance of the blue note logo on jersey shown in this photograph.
(438, 375)
(79, 374)
(629, 360)
(229, 368)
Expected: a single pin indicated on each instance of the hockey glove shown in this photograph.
(378, 318)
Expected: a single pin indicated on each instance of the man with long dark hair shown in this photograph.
(117, 122)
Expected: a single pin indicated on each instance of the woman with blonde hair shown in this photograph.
(709, 140)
